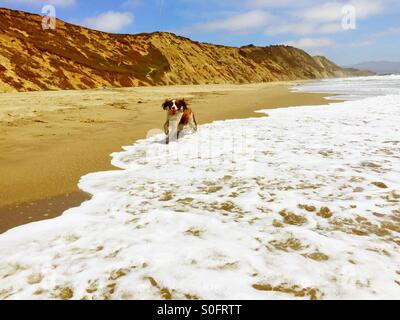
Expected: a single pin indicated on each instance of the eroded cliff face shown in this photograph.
(73, 57)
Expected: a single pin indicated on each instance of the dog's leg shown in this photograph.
(166, 130)
(180, 129)
(193, 123)
(172, 131)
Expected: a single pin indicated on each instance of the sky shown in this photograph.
(346, 31)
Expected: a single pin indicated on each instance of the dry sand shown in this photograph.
(48, 140)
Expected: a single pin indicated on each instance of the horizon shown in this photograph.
(346, 32)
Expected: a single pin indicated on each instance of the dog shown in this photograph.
(179, 116)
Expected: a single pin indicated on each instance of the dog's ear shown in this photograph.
(165, 104)
(183, 104)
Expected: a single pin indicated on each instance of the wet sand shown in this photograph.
(48, 140)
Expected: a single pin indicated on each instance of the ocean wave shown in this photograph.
(354, 88)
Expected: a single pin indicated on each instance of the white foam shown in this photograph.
(204, 217)
(354, 88)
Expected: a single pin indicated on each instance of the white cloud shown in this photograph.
(304, 28)
(361, 44)
(367, 8)
(326, 12)
(327, 28)
(110, 21)
(394, 30)
(306, 43)
(323, 18)
(332, 11)
(388, 32)
(280, 3)
(296, 17)
(239, 22)
(60, 3)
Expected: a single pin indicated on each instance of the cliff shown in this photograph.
(73, 57)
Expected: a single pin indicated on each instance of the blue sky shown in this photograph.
(346, 31)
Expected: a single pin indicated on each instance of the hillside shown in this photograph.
(333, 69)
(380, 67)
(73, 57)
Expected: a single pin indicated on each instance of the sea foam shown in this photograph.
(354, 88)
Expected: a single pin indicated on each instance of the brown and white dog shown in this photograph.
(178, 117)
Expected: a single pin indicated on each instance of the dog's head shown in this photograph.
(173, 106)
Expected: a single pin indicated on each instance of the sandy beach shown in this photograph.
(49, 140)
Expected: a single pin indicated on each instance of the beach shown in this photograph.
(50, 139)
(298, 203)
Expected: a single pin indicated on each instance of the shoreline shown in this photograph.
(72, 133)
(22, 213)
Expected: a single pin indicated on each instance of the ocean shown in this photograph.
(301, 204)
(354, 88)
